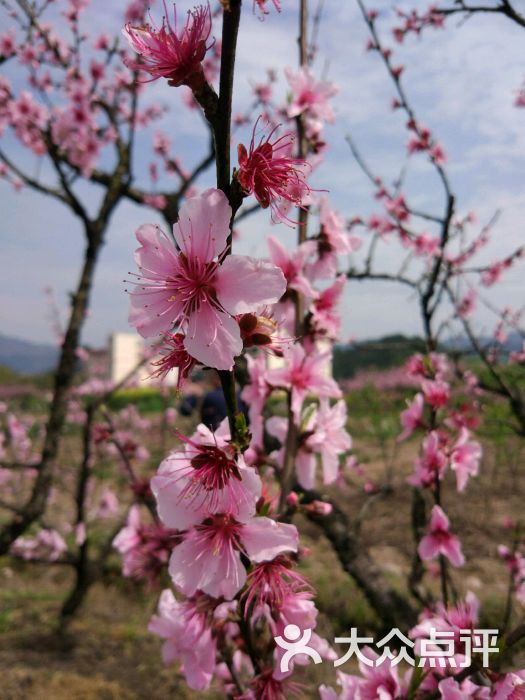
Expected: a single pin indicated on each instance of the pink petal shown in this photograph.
(166, 486)
(204, 225)
(264, 538)
(157, 252)
(330, 466)
(193, 569)
(452, 549)
(450, 690)
(302, 285)
(278, 252)
(428, 548)
(438, 519)
(305, 468)
(277, 426)
(243, 283)
(213, 338)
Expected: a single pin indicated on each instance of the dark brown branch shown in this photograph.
(504, 8)
(393, 609)
(222, 136)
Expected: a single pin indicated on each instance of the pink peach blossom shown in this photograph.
(194, 291)
(329, 439)
(201, 481)
(302, 374)
(412, 417)
(440, 540)
(269, 171)
(209, 557)
(465, 458)
(325, 321)
(437, 392)
(166, 54)
(310, 96)
(187, 636)
(293, 265)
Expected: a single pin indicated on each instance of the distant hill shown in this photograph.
(381, 353)
(393, 350)
(26, 357)
(460, 343)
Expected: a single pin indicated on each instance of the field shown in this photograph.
(106, 651)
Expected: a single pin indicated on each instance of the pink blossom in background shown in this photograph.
(383, 380)
(333, 239)
(208, 559)
(293, 264)
(436, 392)
(188, 638)
(465, 458)
(432, 463)
(47, 545)
(174, 356)
(144, 548)
(167, 54)
(270, 172)
(440, 540)
(7, 44)
(467, 304)
(262, 7)
(517, 357)
(329, 439)
(255, 394)
(520, 97)
(325, 320)
(397, 208)
(426, 245)
(310, 96)
(108, 505)
(189, 288)
(302, 374)
(412, 417)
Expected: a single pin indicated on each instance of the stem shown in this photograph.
(302, 145)
(222, 136)
(222, 127)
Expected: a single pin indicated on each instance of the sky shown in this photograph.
(461, 81)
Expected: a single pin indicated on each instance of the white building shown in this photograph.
(126, 350)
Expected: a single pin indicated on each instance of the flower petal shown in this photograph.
(264, 538)
(213, 338)
(204, 225)
(243, 283)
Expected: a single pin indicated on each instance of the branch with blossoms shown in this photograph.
(225, 493)
(414, 22)
(235, 560)
(448, 258)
